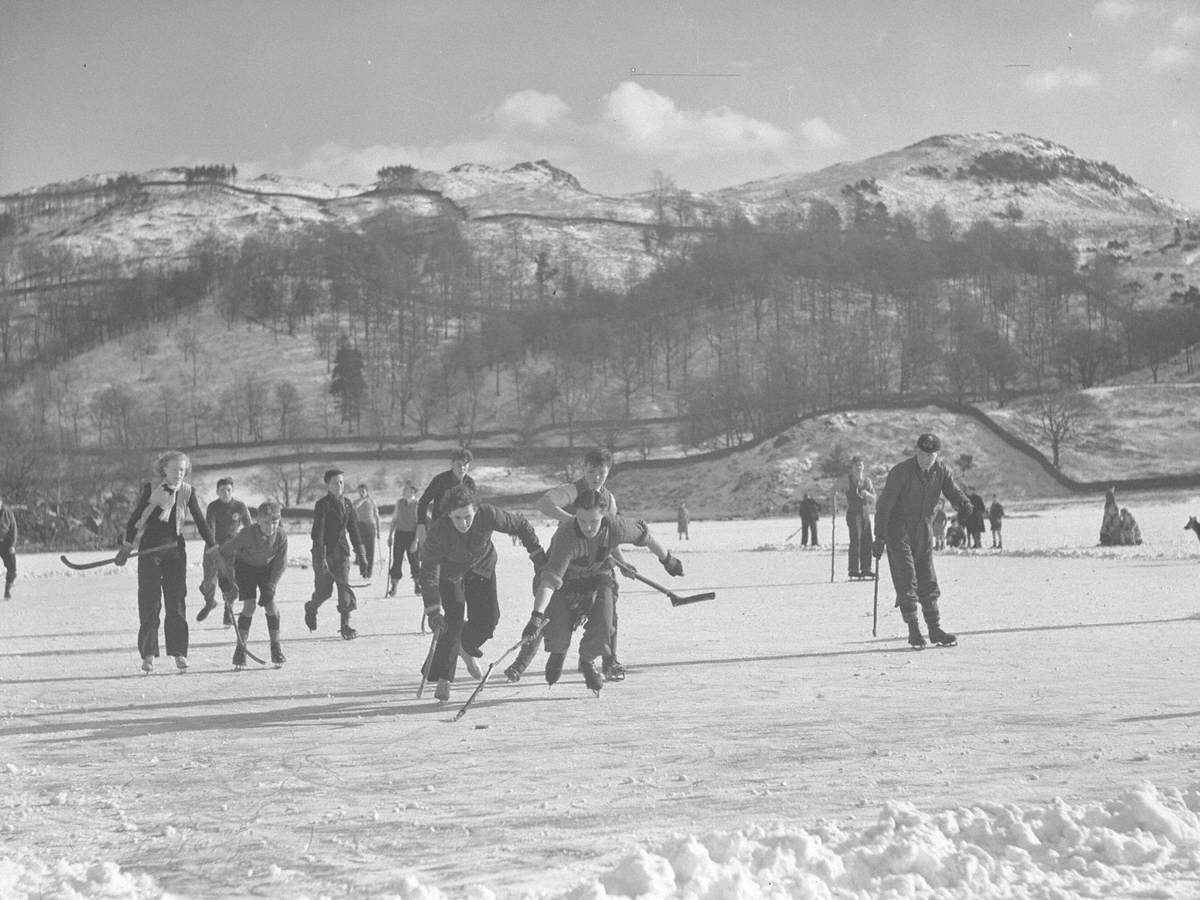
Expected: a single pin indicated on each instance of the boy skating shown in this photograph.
(334, 532)
(256, 557)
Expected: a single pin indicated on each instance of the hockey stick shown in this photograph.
(875, 605)
(793, 534)
(523, 642)
(437, 633)
(112, 560)
(676, 600)
(241, 642)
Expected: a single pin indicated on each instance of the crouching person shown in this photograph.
(577, 584)
(257, 556)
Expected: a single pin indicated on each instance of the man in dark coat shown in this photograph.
(904, 527)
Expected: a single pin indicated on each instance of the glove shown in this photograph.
(436, 616)
(123, 554)
(673, 566)
(539, 558)
(361, 562)
(533, 625)
(877, 547)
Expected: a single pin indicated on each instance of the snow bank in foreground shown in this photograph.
(24, 875)
(1142, 842)
(1145, 843)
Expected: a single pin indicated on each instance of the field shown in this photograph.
(764, 743)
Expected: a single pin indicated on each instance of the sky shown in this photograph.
(709, 93)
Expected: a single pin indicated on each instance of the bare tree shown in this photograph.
(1058, 417)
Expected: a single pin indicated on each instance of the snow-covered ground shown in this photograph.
(764, 744)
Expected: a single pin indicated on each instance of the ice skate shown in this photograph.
(181, 664)
(277, 657)
(391, 588)
(916, 640)
(348, 633)
(554, 664)
(591, 674)
(310, 616)
(528, 651)
(239, 658)
(442, 691)
(613, 670)
(209, 605)
(147, 664)
(940, 638)
(227, 617)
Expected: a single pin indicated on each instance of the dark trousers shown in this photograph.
(808, 528)
(472, 613)
(860, 542)
(9, 555)
(403, 545)
(590, 598)
(162, 589)
(338, 562)
(366, 532)
(910, 560)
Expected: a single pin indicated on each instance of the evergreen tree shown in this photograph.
(347, 383)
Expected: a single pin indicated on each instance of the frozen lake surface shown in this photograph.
(764, 743)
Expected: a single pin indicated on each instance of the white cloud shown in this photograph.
(633, 131)
(1168, 59)
(530, 109)
(820, 133)
(643, 121)
(1116, 11)
(1059, 79)
(1186, 24)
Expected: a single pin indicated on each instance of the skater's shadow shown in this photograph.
(1161, 716)
(342, 711)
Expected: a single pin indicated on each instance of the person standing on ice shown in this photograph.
(577, 582)
(860, 494)
(8, 547)
(904, 527)
(256, 557)
(458, 578)
(157, 520)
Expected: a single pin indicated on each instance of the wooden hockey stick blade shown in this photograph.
(112, 559)
(523, 642)
(676, 600)
(250, 653)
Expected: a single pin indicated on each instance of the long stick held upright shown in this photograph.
(437, 633)
(875, 605)
(833, 538)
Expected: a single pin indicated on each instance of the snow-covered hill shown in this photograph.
(535, 206)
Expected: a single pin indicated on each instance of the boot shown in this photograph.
(181, 664)
(591, 675)
(915, 639)
(554, 664)
(941, 638)
(936, 636)
(209, 605)
(147, 664)
(239, 657)
(613, 670)
(277, 657)
(347, 633)
(391, 588)
(442, 691)
(310, 616)
(521, 663)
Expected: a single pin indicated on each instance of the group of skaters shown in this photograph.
(446, 538)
